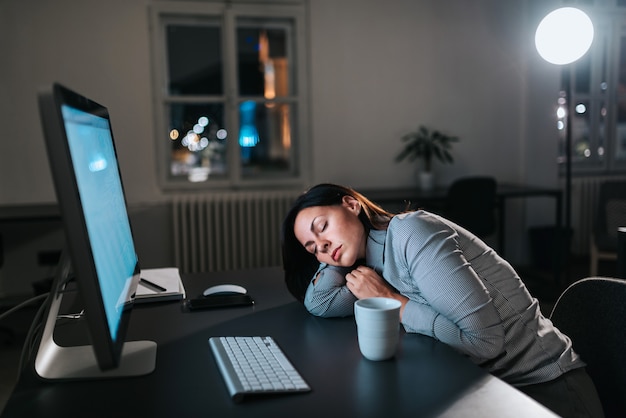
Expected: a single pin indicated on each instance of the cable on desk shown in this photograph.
(34, 326)
(29, 343)
(22, 305)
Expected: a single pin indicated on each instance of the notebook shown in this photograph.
(159, 285)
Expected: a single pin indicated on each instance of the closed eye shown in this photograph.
(318, 225)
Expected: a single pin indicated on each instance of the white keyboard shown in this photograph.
(255, 365)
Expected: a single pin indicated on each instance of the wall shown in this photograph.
(381, 69)
(100, 48)
(378, 70)
(30, 250)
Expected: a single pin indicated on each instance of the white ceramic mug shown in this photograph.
(378, 326)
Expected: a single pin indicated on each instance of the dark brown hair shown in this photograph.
(300, 265)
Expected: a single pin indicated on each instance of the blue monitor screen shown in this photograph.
(101, 194)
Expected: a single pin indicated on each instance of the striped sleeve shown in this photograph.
(451, 303)
(327, 295)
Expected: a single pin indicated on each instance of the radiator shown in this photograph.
(229, 231)
(584, 198)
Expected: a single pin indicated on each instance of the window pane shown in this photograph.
(581, 137)
(198, 141)
(620, 137)
(602, 131)
(621, 82)
(582, 75)
(194, 59)
(620, 134)
(263, 65)
(265, 138)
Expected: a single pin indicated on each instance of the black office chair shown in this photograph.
(471, 203)
(592, 312)
(609, 215)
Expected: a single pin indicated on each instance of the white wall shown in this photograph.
(379, 68)
(99, 48)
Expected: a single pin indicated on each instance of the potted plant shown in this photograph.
(425, 145)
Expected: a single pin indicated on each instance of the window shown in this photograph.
(598, 82)
(230, 94)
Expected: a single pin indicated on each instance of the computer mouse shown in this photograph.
(224, 288)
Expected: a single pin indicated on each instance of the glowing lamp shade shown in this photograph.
(564, 35)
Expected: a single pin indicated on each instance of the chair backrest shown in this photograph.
(610, 214)
(471, 203)
(592, 312)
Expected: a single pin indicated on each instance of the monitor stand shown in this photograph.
(54, 362)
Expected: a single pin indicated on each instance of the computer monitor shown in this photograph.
(102, 256)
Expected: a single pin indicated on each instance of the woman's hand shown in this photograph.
(364, 282)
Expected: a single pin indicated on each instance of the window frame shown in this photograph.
(228, 12)
(603, 59)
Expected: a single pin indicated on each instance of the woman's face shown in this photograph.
(334, 234)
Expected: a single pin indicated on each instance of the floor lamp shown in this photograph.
(563, 37)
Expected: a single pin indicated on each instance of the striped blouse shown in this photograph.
(461, 292)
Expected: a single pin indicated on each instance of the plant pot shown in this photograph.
(427, 180)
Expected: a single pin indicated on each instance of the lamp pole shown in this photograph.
(563, 37)
(567, 75)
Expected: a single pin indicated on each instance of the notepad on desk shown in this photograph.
(159, 285)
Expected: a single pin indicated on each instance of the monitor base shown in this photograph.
(57, 363)
(54, 362)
